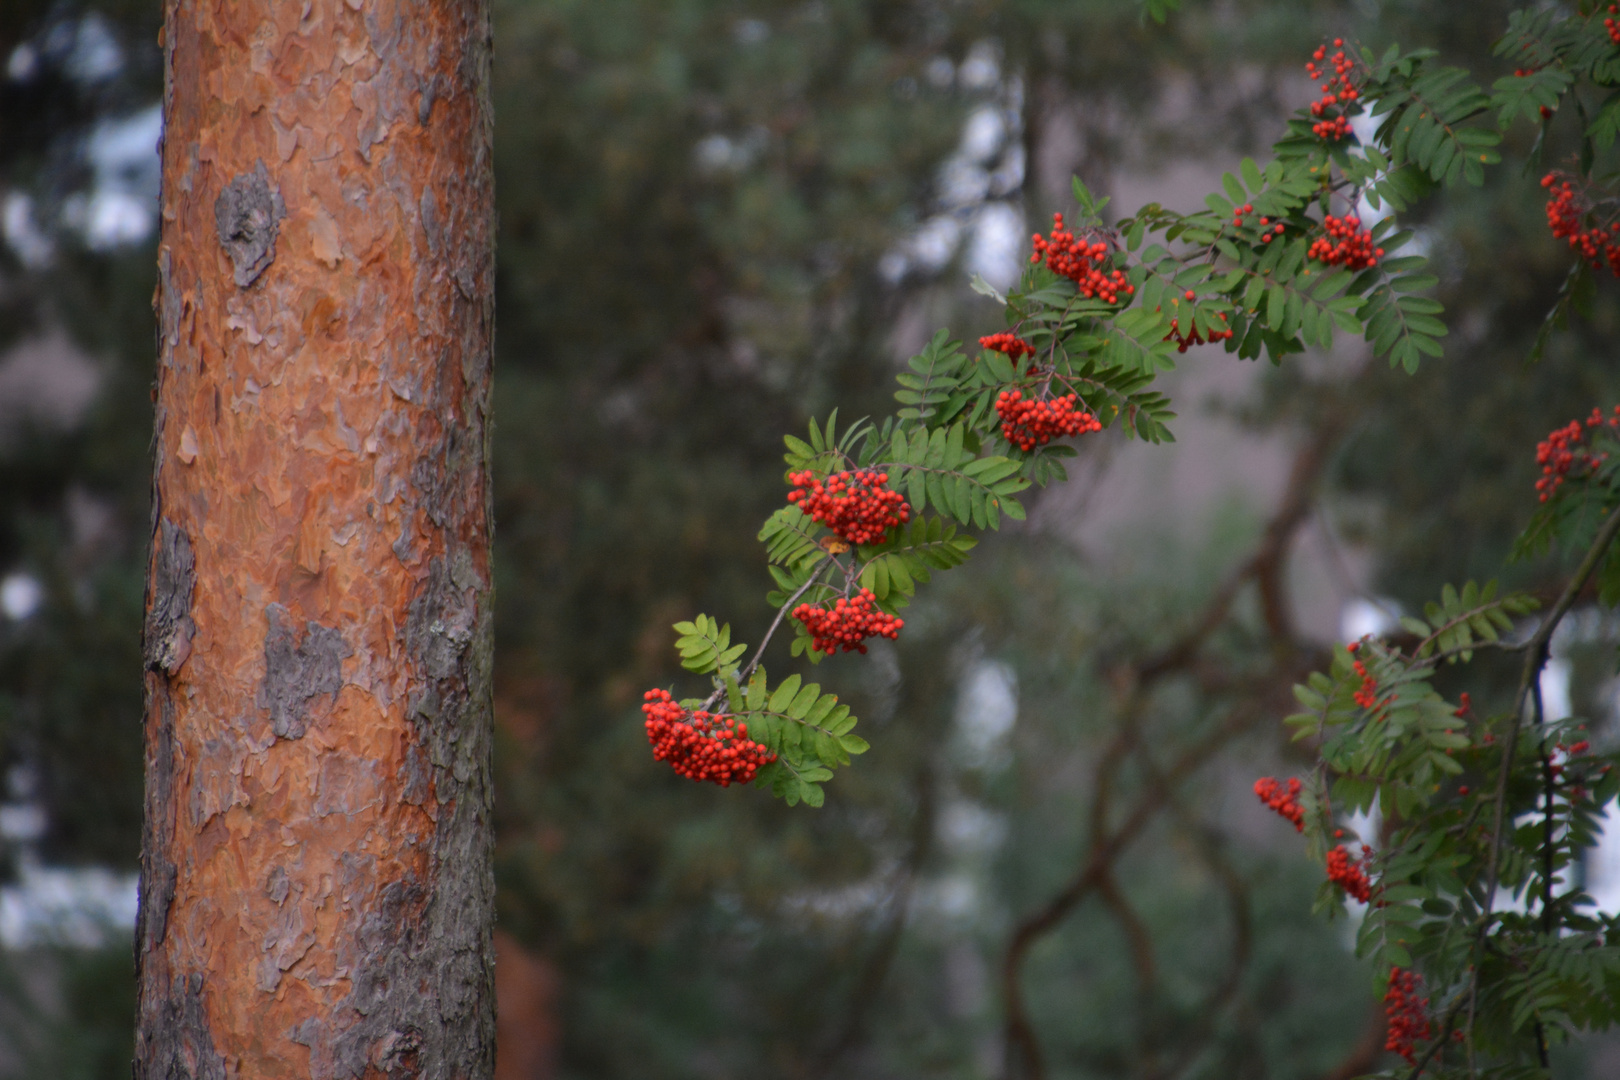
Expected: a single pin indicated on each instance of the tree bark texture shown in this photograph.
(316, 884)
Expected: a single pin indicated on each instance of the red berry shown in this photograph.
(1567, 210)
(1010, 344)
(701, 746)
(1339, 94)
(1560, 453)
(847, 623)
(1283, 800)
(1348, 874)
(1345, 243)
(1078, 260)
(1408, 1014)
(1027, 424)
(857, 505)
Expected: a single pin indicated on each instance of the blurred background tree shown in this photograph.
(717, 219)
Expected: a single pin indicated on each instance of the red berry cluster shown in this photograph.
(1560, 451)
(1339, 92)
(1011, 344)
(1566, 212)
(849, 623)
(1367, 695)
(1408, 1014)
(856, 505)
(1348, 873)
(1197, 336)
(1283, 800)
(1027, 423)
(1077, 260)
(700, 745)
(1555, 456)
(1345, 244)
(1611, 25)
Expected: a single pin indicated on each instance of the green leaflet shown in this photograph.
(705, 645)
(807, 730)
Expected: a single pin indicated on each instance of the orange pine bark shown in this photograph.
(317, 895)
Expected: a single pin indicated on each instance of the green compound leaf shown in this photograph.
(705, 645)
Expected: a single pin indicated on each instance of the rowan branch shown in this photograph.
(1535, 659)
(759, 653)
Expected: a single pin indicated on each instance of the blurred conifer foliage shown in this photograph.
(717, 219)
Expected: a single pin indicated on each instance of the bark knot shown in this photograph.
(166, 640)
(248, 216)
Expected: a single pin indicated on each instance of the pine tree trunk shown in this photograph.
(316, 886)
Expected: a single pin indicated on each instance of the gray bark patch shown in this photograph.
(429, 209)
(416, 786)
(158, 873)
(298, 671)
(179, 1045)
(248, 216)
(441, 621)
(277, 885)
(166, 639)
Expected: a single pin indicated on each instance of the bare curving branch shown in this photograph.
(1266, 568)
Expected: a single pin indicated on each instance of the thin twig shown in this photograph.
(759, 653)
(1535, 659)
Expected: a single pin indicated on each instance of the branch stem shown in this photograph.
(781, 612)
(1536, 652)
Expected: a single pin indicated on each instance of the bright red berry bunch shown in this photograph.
(857, 505)
(848, 623)
(699, 745)
(1027, 424)
(1345, 244)
(1197, 336)
(1283, 800)
(1078, 260)
(1367, 695)
(1611, 25)
(1011, 344)
(1408, 1014)
(1348, 873)
(1566, 216)
(1561, 451)
(1339, 92)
